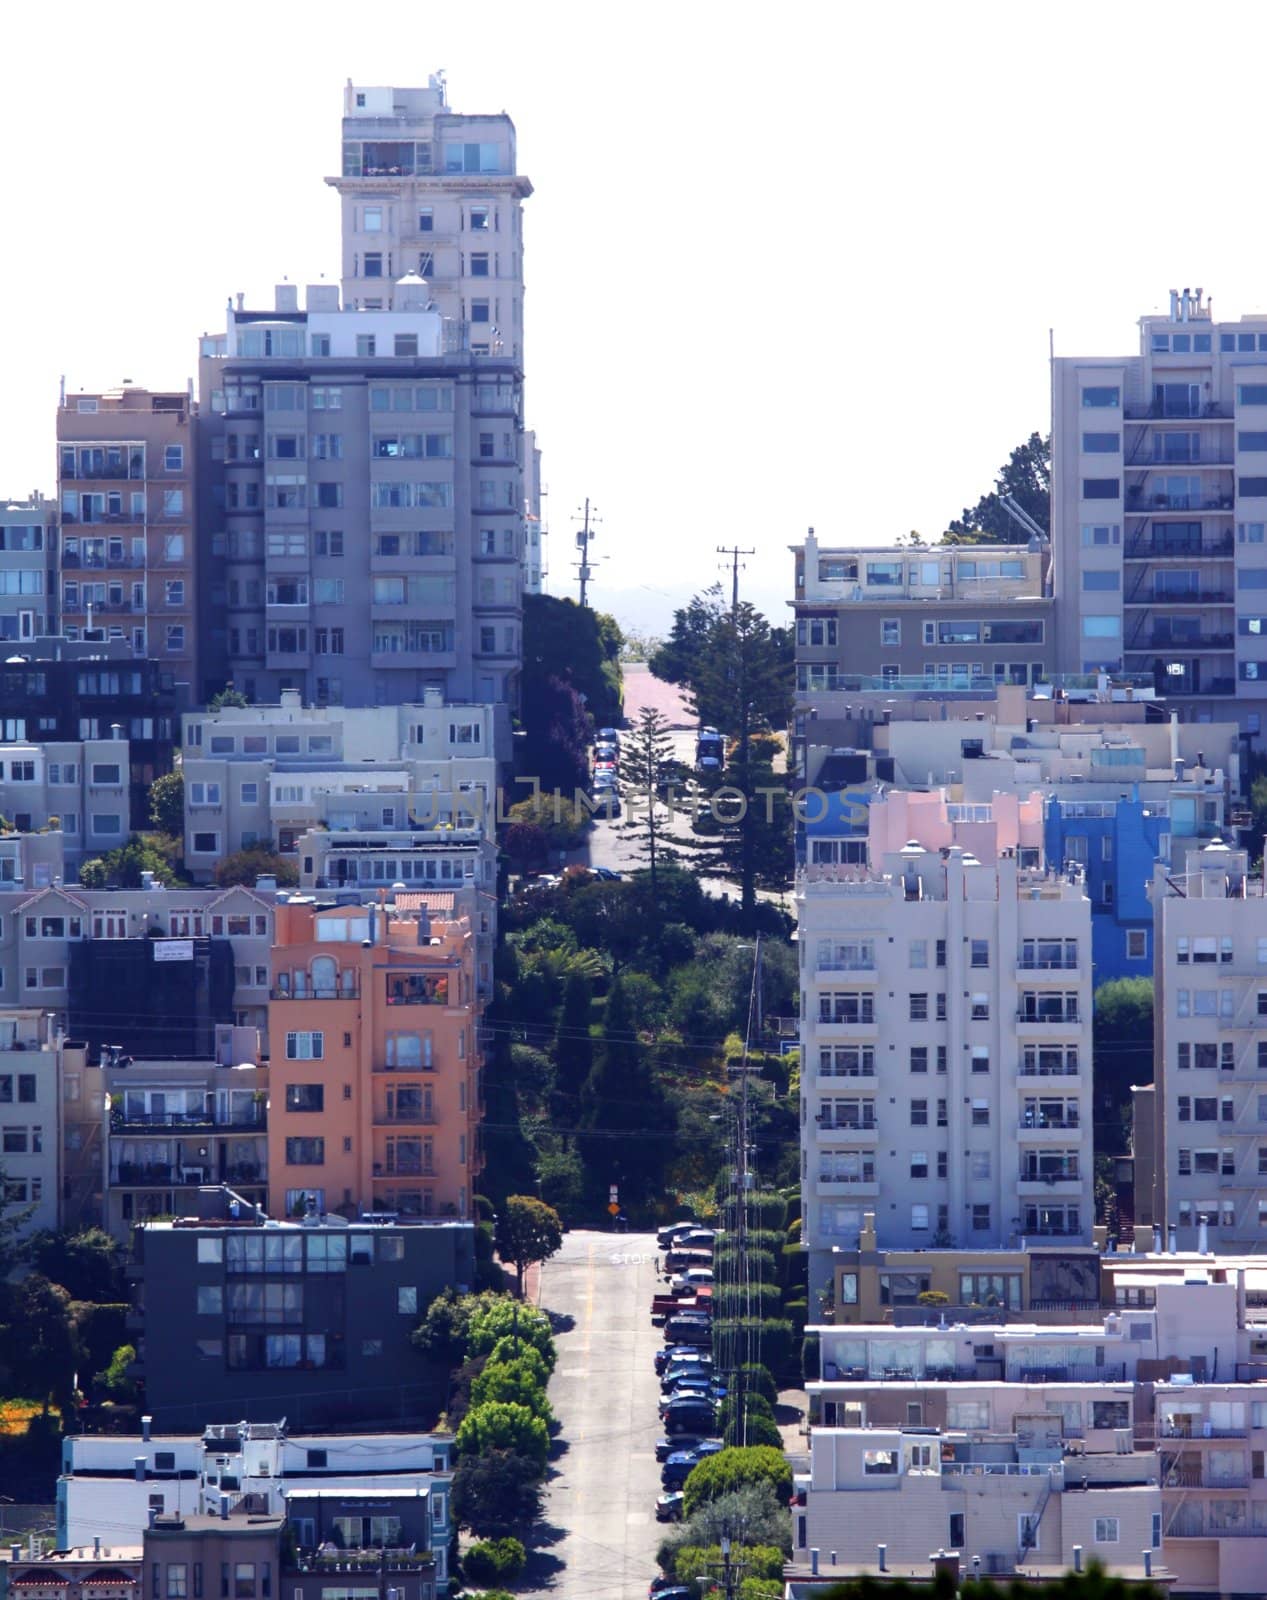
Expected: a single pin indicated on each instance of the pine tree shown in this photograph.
(647, 766)
(573, 1048)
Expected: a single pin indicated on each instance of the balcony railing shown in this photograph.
(73, 562)
(1066, 1173)
(1072, 1372)
(191, 1121)
(1146, 549)
(841, 1125)
(1065, 1015)
(340, 991)
(1045, 1119)
(372, 1560)
(849, 1178)
(1192, 641)
(1064, 1070)
(421, 1169)
(1136, 501)
(423, 1117)
(1172, 411)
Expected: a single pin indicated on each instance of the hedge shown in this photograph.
(811, 1366)
(494, 1559)
(772, 1339)
(760, 1299)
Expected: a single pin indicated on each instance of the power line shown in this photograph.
(583, 545)
(734, 551)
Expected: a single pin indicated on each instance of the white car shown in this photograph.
(692, 1278)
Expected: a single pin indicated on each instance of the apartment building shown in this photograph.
(80, 788)
(268, 774)
(427, 190)
(243, 1317)
(1210, 1035)
(152, 970)
(944, 617)
(321, 424)
(103, 1570)
(28, 582)
(62, 690)
(376, 1087)
(109, 1483)
(126, 562)
(1159, 495)
(968, 1118)
(29, 1107)
(140, 1138)
(179, 1549)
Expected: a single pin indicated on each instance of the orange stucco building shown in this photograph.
(375, 1083)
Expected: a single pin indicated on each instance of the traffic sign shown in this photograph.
(614, 1209)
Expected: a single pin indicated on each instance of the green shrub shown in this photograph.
(494, 1559)
(760, 1430)
(759, 1380)
(523, 1355)
(730, 1469)
(504, 1425)
(516, 1382)
(772, 1339)
(811, 1369)
(508, 1318)
(693, 1561)
(485, 1210)
(797, 1313)
(761, 1299)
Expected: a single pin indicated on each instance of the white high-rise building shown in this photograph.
(965, 1118)
(1159, 511)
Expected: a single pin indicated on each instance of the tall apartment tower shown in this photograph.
(1210, 1047)
(427, 191)
(1159, 511)
(362, 492)
(966, 1117)
(126, 562)
(28, 582)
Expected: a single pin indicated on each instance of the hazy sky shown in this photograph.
(786, 265)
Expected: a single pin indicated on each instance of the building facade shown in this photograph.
(946, 616)
(1210, 1048)
(968, 1116)
(427, 190)
(376, 1072)
(1159, 501)
(28, 579)
(364, 502)
(30, 1149)
(126, 564)
(241, 1317)
(80, 788)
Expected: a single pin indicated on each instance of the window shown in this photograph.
(919, 1057)
(980, 1113)
(890, 631)
(174, 458)
(1101, 443)
(1136, 944)
(305, 1046)
(919, 1219)
(919, 1113)
(1099, 397)
(407, 1301)
(980, 1218)
(305, 1152)
(919, 1008)
(919, 1163)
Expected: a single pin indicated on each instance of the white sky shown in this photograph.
(786, 265)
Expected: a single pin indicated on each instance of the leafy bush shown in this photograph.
(515, 1382)
(506, 1318)
(496, 1493)
(493, 1559)
(811, 1367)
(731, 1469)
(759, 1380)
(772, 1338)
(759, 1431)
(797, 1313)
(763, 1299)
(695, 1561)
(525, 1356)
(504, 1425)
(756, 1508)
(244, 866)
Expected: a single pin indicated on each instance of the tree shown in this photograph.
(167, 804)
(245, 866)
(731, 1469)
(557, 732)
(627, 1136)
(504, 1425)
(555, 812)
(578, 646)
(677, 658)
(528, 1230)
(494, 1560)
(527, 845)
(1026, 477)
(1122, 1041)
(573, 1046)
(525, 1358)
(648, 765)
(115, 1379)
(500, 1317)
(88, 1265)
(496, 1493)
(228, 696)
(753, 1511)
(123, 867)
(38, 1343)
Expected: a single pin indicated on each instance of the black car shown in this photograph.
(665, 1356)
(665, 1447)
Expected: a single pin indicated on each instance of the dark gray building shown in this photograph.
(244, 1317)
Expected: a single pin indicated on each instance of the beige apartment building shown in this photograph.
(431, 191)
(363, 496)
(1210, 1033)
(943, 618)
(966, 1116)
(126, 566)
(1159, 506)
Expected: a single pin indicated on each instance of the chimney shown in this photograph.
(1172, 1240)
(224, 1508)
(96, 1545)
(813, 1562)
(15, 1552)
(882, 1557)
(1077, 1558)
(138, 1467)
(1174, 305)
(1148, 1563)
(146, 1424)
(1203, 1236)
(1157, 1238)
(153, 1515)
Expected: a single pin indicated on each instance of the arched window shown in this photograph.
(325, 977)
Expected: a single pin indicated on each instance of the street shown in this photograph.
(601, 1495)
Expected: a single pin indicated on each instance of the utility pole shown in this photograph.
(734, 552)
(583, 545)
(730, 1572)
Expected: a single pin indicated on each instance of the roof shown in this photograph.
(423, 900)
(351, 1489)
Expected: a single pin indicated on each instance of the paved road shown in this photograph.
(604, 1393)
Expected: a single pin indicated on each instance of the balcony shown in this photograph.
(829, 1184)
(421, 1118)
(372, 1561)
(1186, 597)
(1176, 411)
(1039, 1121)
(845, 964)
(1053, 963)
(74, 562)
(1048, 1176)
(1065, 1017)
(1141, 501)
(864, 1127)
(350, 990)
(1073, 1372)
(123, 1121)
(1192, 641)
(1152, 549)
(1065, 1069)
(410, 1169)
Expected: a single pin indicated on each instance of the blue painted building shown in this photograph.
(1117, 842)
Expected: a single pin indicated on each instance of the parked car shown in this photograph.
(667, 1354)
(677, 1469)
(673, 1230)
(696, 1239)
(610, 806)
(607, 875)
(691, 1278)
(672, 1378)
(668, 1506)
(605, 750)
(690, 1327)
(677, 1258)
(608, 736)
(664, 1446)
(689, 1414)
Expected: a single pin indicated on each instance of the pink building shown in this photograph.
(1006, 822)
